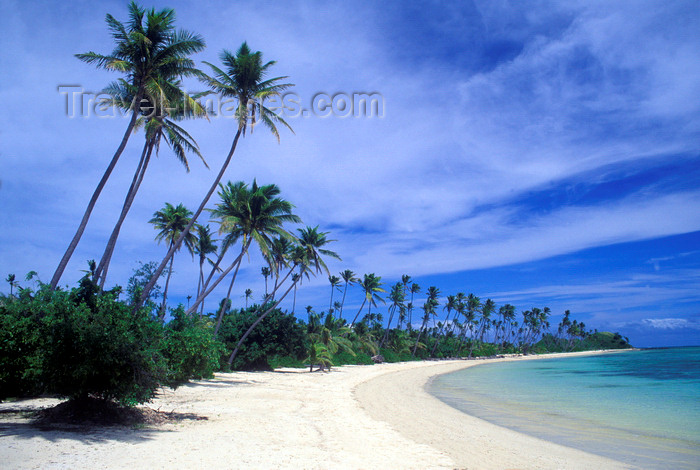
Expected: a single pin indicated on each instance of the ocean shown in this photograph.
(639, 407)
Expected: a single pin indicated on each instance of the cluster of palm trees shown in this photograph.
(468, 323)
(153, 57)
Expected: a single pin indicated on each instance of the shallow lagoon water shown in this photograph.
(639, 407)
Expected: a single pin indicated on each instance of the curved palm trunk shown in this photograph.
(420, 333)
(207, 290)
(342, 304)
(358, 312)
(388, 326)
(147, 289)
(165, 290)
(260, 318)
(96, 194)
(103, 266)
(220, 316)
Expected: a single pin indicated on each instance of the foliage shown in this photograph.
(189, 348)
(278, 334)
(78, 344)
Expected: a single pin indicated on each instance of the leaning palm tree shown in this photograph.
(397, 298)
(171, 221)
(147, 48)
(164, 104)
(249, 214)
(335, 282)
(306, 258)
(428, 312)
(206, 245)
(349, 277)
(243, 79)
(371, 284)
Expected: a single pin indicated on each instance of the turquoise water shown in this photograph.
(639, 407)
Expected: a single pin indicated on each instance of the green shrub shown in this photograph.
(189, 348)
(278, 334)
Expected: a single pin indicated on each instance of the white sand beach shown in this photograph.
(355, 417)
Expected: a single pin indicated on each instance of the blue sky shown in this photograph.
(538, 153)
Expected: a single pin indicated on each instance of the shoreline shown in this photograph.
(376, 416)
(472, 443)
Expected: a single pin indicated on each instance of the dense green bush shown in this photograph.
(278, 334)
(78, 344)
(189, 348)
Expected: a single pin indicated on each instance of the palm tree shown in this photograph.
(265, 271)
(11, 280)
(248, 295)
(449, 306)
(415, 288)
(243, 79)
(144, 52)
(371, 284)
(428, 311)
(206, 245)
(349, 279)
(279, 252)
(335, 282)
(295, 279)
(397, 298)
(305, 256)
(254, 214)
(164, 104)
(171, 221)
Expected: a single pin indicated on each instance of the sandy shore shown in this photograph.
(353, 417)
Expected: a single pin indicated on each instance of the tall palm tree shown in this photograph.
(265, 271)
(243, 78)
(428, 312)
(205, 246)
(415, 289)
(254, 214)
(449, 306)
(164, 104)
(397, 298)
(147, 48)
(279, 253)
(171, 221)
(11, 280)
(307, 255)
(335, 282)
(371, 285)
(248, 295)
(349, 278)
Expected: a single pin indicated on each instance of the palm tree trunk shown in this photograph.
(165, 290)
(207, 290)
(388, 326)
(103, 267)
(260, 318)
(415, 346)
(220, 316)
(358, 312)
(96, 194)
(147, 289)
(342, 304)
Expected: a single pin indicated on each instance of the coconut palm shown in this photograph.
(205, 246)
(371, 285)
(349, 278)
(248, 295)
(397, 298)
(254, 214)
(171, 221)
(244, 79)
(164, 104)
(415, 289)
(265, 271)
(147, 48)
(335, 282)
(428, 312)
(449, 306)
(307, 255)
(279, 253)
(11, 280)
